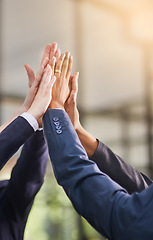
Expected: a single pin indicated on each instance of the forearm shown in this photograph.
(111, 164)
(31, 165)
(12, 137)
(119, 170)
(88, 141)
(28, 174)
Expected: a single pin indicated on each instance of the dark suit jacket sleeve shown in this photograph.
(105, 204)
(28, 175)
(12, 137)
(120, 171)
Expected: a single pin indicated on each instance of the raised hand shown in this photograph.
(33, 88)
(61, 90)
(71, 104)
(44, 94)
(51, 53)
(88, 141)
(34, 84)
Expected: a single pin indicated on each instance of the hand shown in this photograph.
(51, 53)
(34, 84)
(44, 95)
(33, 88)
(34, 81)
(71, 104)
(61, 91)
(88, 141)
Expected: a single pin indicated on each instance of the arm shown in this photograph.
(34, 81)
(12, 137)
(27, 176)
(101, 201)
(109, 163)
(16, 130)
(120, 171)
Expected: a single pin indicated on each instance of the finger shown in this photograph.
(53, 50)
(39, 76)
(52, 81)
(30, 73)
(57, 53)
(74, 86)
(47, 80)
(70, 99)
(40, 72)
(46, 52)
(65, 65)
(45, 62)
(58, 66)
(69, 70)
(46, 76)
(52, 64)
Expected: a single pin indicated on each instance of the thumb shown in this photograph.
(72, 98)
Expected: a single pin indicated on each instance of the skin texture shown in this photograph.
(44, 95)
(61, 89)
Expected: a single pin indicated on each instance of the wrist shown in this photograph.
(56, 105)
(34, 113)
(78, 128)
(20, 110)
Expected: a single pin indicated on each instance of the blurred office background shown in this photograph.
(112, 45)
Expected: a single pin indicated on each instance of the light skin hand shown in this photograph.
(30, 72)
(44, 95)
(51, 53)
(61, 91)
(71, 104)
(33, 85)
(34, 81)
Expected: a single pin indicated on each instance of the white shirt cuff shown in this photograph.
(31, 120)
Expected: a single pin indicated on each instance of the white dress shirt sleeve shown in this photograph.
(31, 120)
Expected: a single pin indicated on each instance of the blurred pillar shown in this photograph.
(148, 105)
(79, 51)
(125, 141)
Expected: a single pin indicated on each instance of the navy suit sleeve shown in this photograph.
(120, 171)
(28, 175)
(12, 137)
(104, 203)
